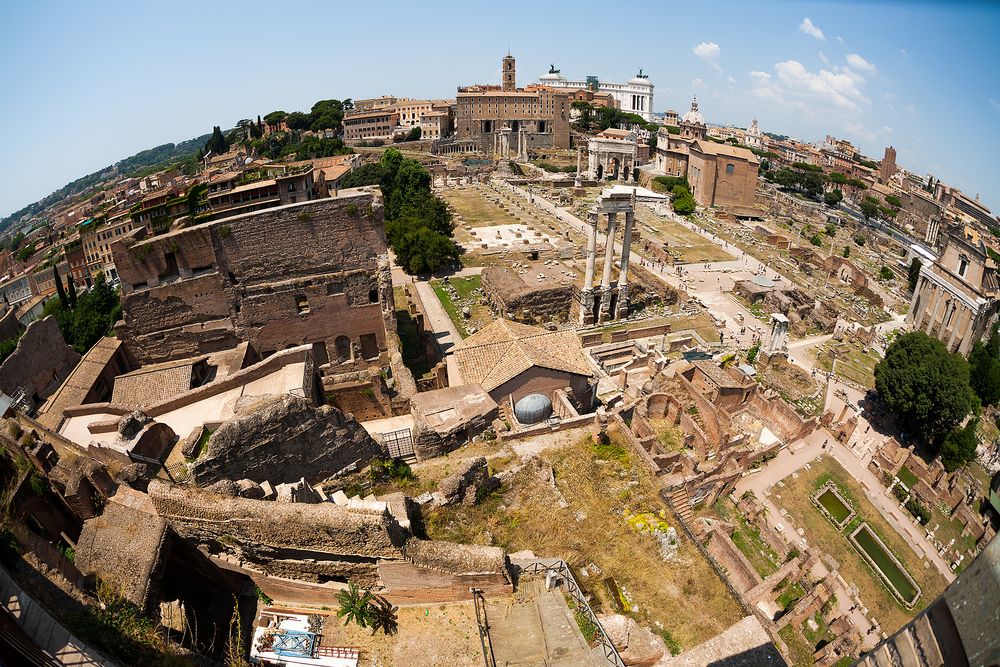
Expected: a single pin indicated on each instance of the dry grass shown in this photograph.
(440, 635)
(795, 498)
(690, 246)
(476, 210)
(601, 485)
(702, 323)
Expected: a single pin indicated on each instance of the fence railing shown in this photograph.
(560, 568)
(484, 627)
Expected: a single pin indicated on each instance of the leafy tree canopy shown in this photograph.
(925, 385)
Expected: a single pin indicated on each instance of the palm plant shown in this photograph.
(382, 616)
(355, 605)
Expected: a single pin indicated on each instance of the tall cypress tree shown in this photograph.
(72, 291)
(59, 288)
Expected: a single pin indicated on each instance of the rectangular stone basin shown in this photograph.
(832, 504)
(885, 564)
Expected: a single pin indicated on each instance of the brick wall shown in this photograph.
(313, 272)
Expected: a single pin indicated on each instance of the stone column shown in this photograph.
(578, 182)
(622, 306)
(609, 251)
(587, 294)
(609, 254)
(932, 310)
(912, 313)
(779, 332)
(961, 321)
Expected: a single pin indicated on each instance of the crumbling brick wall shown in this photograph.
(314, 272)
(40, 362)
(507, 293)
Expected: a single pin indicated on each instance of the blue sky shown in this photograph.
(86, 84)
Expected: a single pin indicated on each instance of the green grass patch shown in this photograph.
(906, 477)
(792, 594)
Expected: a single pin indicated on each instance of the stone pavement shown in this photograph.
(440, 323)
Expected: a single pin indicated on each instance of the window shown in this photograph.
(301, 304)
(963, 266)
(730, 168)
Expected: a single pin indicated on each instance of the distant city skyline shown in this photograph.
(87, 86)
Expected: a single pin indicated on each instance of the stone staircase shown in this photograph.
(681, 501)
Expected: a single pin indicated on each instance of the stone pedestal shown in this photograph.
(621, 305)
(605, 313)
(587, 307)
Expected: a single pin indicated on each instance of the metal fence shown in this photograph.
(560, 568)
(398, 444)
(484, 627)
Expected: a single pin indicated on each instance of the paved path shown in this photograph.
(440, 323)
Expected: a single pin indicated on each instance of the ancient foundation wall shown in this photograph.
(41, 360)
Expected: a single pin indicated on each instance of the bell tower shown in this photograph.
(509, 73)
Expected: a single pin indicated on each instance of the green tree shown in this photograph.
(847, 251)
(894, 202)
(275, 117)
(60, 290)
(984, 369)
(869, 209)
(298, 121)
(959, 446)
(71, 286)
(25, 253)
(326, 115)
(838, 178)
(833, 197)
(683, 201)
(925, 385)
(413, 134)
(885, 273)
(217, 142)
(354, 605)
(382, 616)
(913, 274)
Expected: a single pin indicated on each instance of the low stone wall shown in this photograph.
(39, 363)
(741, 572)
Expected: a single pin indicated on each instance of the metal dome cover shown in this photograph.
(533, 409)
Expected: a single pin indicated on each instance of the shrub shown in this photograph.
(917, 509)
(816, 240)
(384, 469)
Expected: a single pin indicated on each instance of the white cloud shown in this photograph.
(698, 84)
(903, 53)
(764, 87)
(909, 108)
(709, 52)
(996, 105)
(732, 80)
(838, 88)
(840, 39)
(811, 29)
(886, 130)
(822, 56)
(857, 62)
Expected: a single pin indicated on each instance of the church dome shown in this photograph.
(694, 117)
(532, 409)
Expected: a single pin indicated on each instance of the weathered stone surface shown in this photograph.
(131, 424)
(135, 475)
(637, 646)
(41, 361)
(250, 489)
(308, 542)
(284, 439)
(464, 485)
(224, 487)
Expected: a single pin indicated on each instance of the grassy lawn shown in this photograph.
(800, 651)
(476, 210)
(849, 362)
(747, 539)
(906, 477)
(465, 297)
(689, 247)
(603, 487)
(820, 532)
(702, 323)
